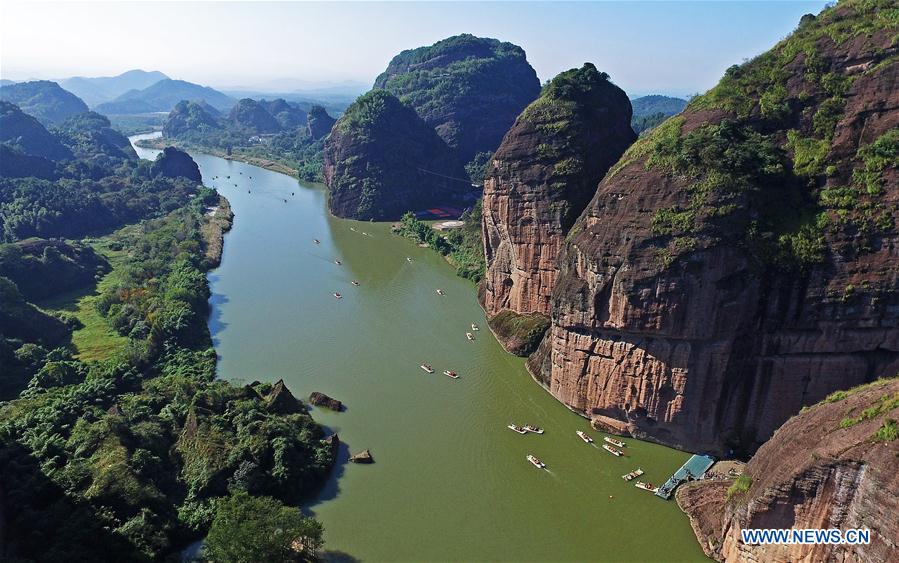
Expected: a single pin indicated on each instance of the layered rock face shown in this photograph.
(382, 160)
(541, 179)
(470, 89)
(741, 261)
(833, 466)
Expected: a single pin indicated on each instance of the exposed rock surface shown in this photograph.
(833, 466)
(175, 163)
(322, 400)
(382, 160)
(741, 261)
(541, 179)
(280, 400)
(362, 457)
(470, 89)
(318, 122)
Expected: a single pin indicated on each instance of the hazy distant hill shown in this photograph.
(96, 90)
(164, 96)
(650, 111)
(44, 100)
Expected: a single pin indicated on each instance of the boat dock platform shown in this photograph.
(694, 468)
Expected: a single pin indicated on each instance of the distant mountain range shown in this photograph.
(96, 90)
(650, 111)
(164, 96)
(43, 99)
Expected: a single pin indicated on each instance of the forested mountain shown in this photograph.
(117, 443)
(96, 90)
(470, 89)
(650, 111)
(24, 133)
(163, 96)
(44, 100)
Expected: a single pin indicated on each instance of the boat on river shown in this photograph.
(583, 436)
(474, 326)
(440, 292)
(515, 428)
(646, 487)
(408, 258)
(614, 451)
(316, 241)
(615, 442)
(469, 336)
(633, 474)
(533, 429)
(536, 462)
(338, 262)
(452, 374)
(337, 295)
(427, 368)
(354, 282)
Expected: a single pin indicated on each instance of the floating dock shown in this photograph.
(693, 469)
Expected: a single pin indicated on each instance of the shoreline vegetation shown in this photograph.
(283, 166)
(461, 248)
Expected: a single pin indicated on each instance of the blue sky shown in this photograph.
(669, 47)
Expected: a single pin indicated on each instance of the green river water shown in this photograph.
(450, 481)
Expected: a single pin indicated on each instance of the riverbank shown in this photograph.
(275, 165)
(219, 221)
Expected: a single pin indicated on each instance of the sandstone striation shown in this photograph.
(740, 261)
(833, 466)
(541, 179)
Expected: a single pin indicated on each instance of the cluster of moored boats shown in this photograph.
(449, 373)
(527, 428)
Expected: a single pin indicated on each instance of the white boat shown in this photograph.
(536, 462)
(452, 374)
(583, 436)
(515, 428)
(316, 241)
(408, 259)
(646, 487)
(338, 262)
(353, 229)
(613, 451)
(615, 442)
(337, 295)
(533, 429)
(474, 326)
(633, 474)
(469, 336)
(440, 292)
(427, 368)
(354, 282)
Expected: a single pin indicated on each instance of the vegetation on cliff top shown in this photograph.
(520, 334)
(462, 248)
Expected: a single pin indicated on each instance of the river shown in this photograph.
(450, 481)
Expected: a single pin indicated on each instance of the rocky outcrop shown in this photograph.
(175, 163)
(831, 467)
(541, 179)
(470, 89)
(739, 262)
(318, 122)
(280, 400)
(322, 400)
(362, 457)
(382, 160)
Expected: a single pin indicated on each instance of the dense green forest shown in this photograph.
(276, 131)
(463, 247)
(117, 442)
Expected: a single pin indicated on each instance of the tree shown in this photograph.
(247, 529)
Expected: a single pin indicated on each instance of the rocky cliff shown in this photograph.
(318, 122)
(382, 160)
(470, 89)
(540, 180)
(740, 261)
(833, 466)
(175, 163)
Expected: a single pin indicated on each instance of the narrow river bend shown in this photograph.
(450, 481)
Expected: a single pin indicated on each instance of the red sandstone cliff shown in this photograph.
(742, 260)
(541, 178)
(833, 466)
